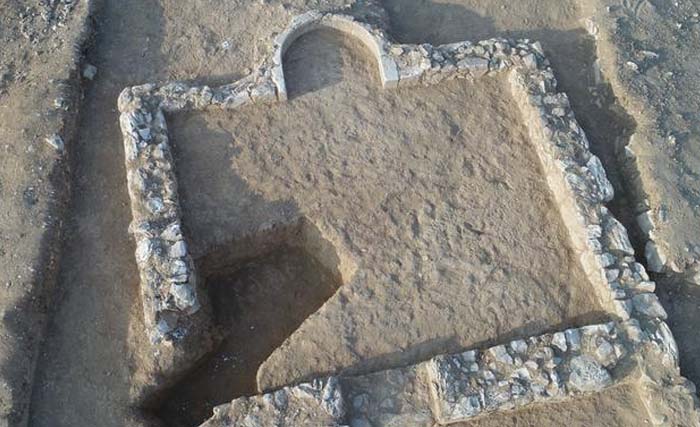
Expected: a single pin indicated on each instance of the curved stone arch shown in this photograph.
(373, 39)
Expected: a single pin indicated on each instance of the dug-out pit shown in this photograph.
(261, 289)
(430, 201)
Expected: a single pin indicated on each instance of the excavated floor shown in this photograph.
(440, 226)
(257, 304)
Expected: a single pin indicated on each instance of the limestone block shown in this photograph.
(605, 188)
(616, 237)
(655, 256)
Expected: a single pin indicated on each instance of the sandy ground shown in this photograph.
(91, 369)
(38, 98)
(647, 51)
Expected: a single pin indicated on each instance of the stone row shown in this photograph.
(580, 185)
(399, 64)
(581, 188)
(428, 65)
(168, 280)
(319, 403)
(448, 389)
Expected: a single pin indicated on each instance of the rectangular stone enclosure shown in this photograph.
(463, 385)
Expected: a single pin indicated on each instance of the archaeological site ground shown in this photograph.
(349, 214)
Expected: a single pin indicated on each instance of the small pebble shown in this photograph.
(56, 142)
(89, 71)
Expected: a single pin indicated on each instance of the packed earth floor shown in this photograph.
(437, 221)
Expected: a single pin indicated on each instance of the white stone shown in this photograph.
(664, 335)
(645, 286)
(646, 222)
(155, 205)
(532, 365)
(56, 142)
(605, 353)
(605, 188)
(162, 328)
(89, 71)
(469, 356)
(612, 274)
(559, 112)
(396, 50)
(172, 232)
(264, 92)
(519, 346)
(634, 331)
(648, 305)
(178, 249)
(477, 66)
(144, 250)
(573, 339)
(639, 270)
(587, 375)
(178, 267)
(144, 134)
(185, 297)
(655, 257)
(607, 259)
(616, 237)
(500, 354)
(559, 341)
(530, 61)
(623, 308)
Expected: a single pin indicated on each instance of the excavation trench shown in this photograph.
(261, 289)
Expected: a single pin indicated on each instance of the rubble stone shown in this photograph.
(460, 393)
(587, 375)
(89, 71)
(655, 257)
(56, 142)
(616, 237)
(648, 305)
(393, 398)
(319, 403)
